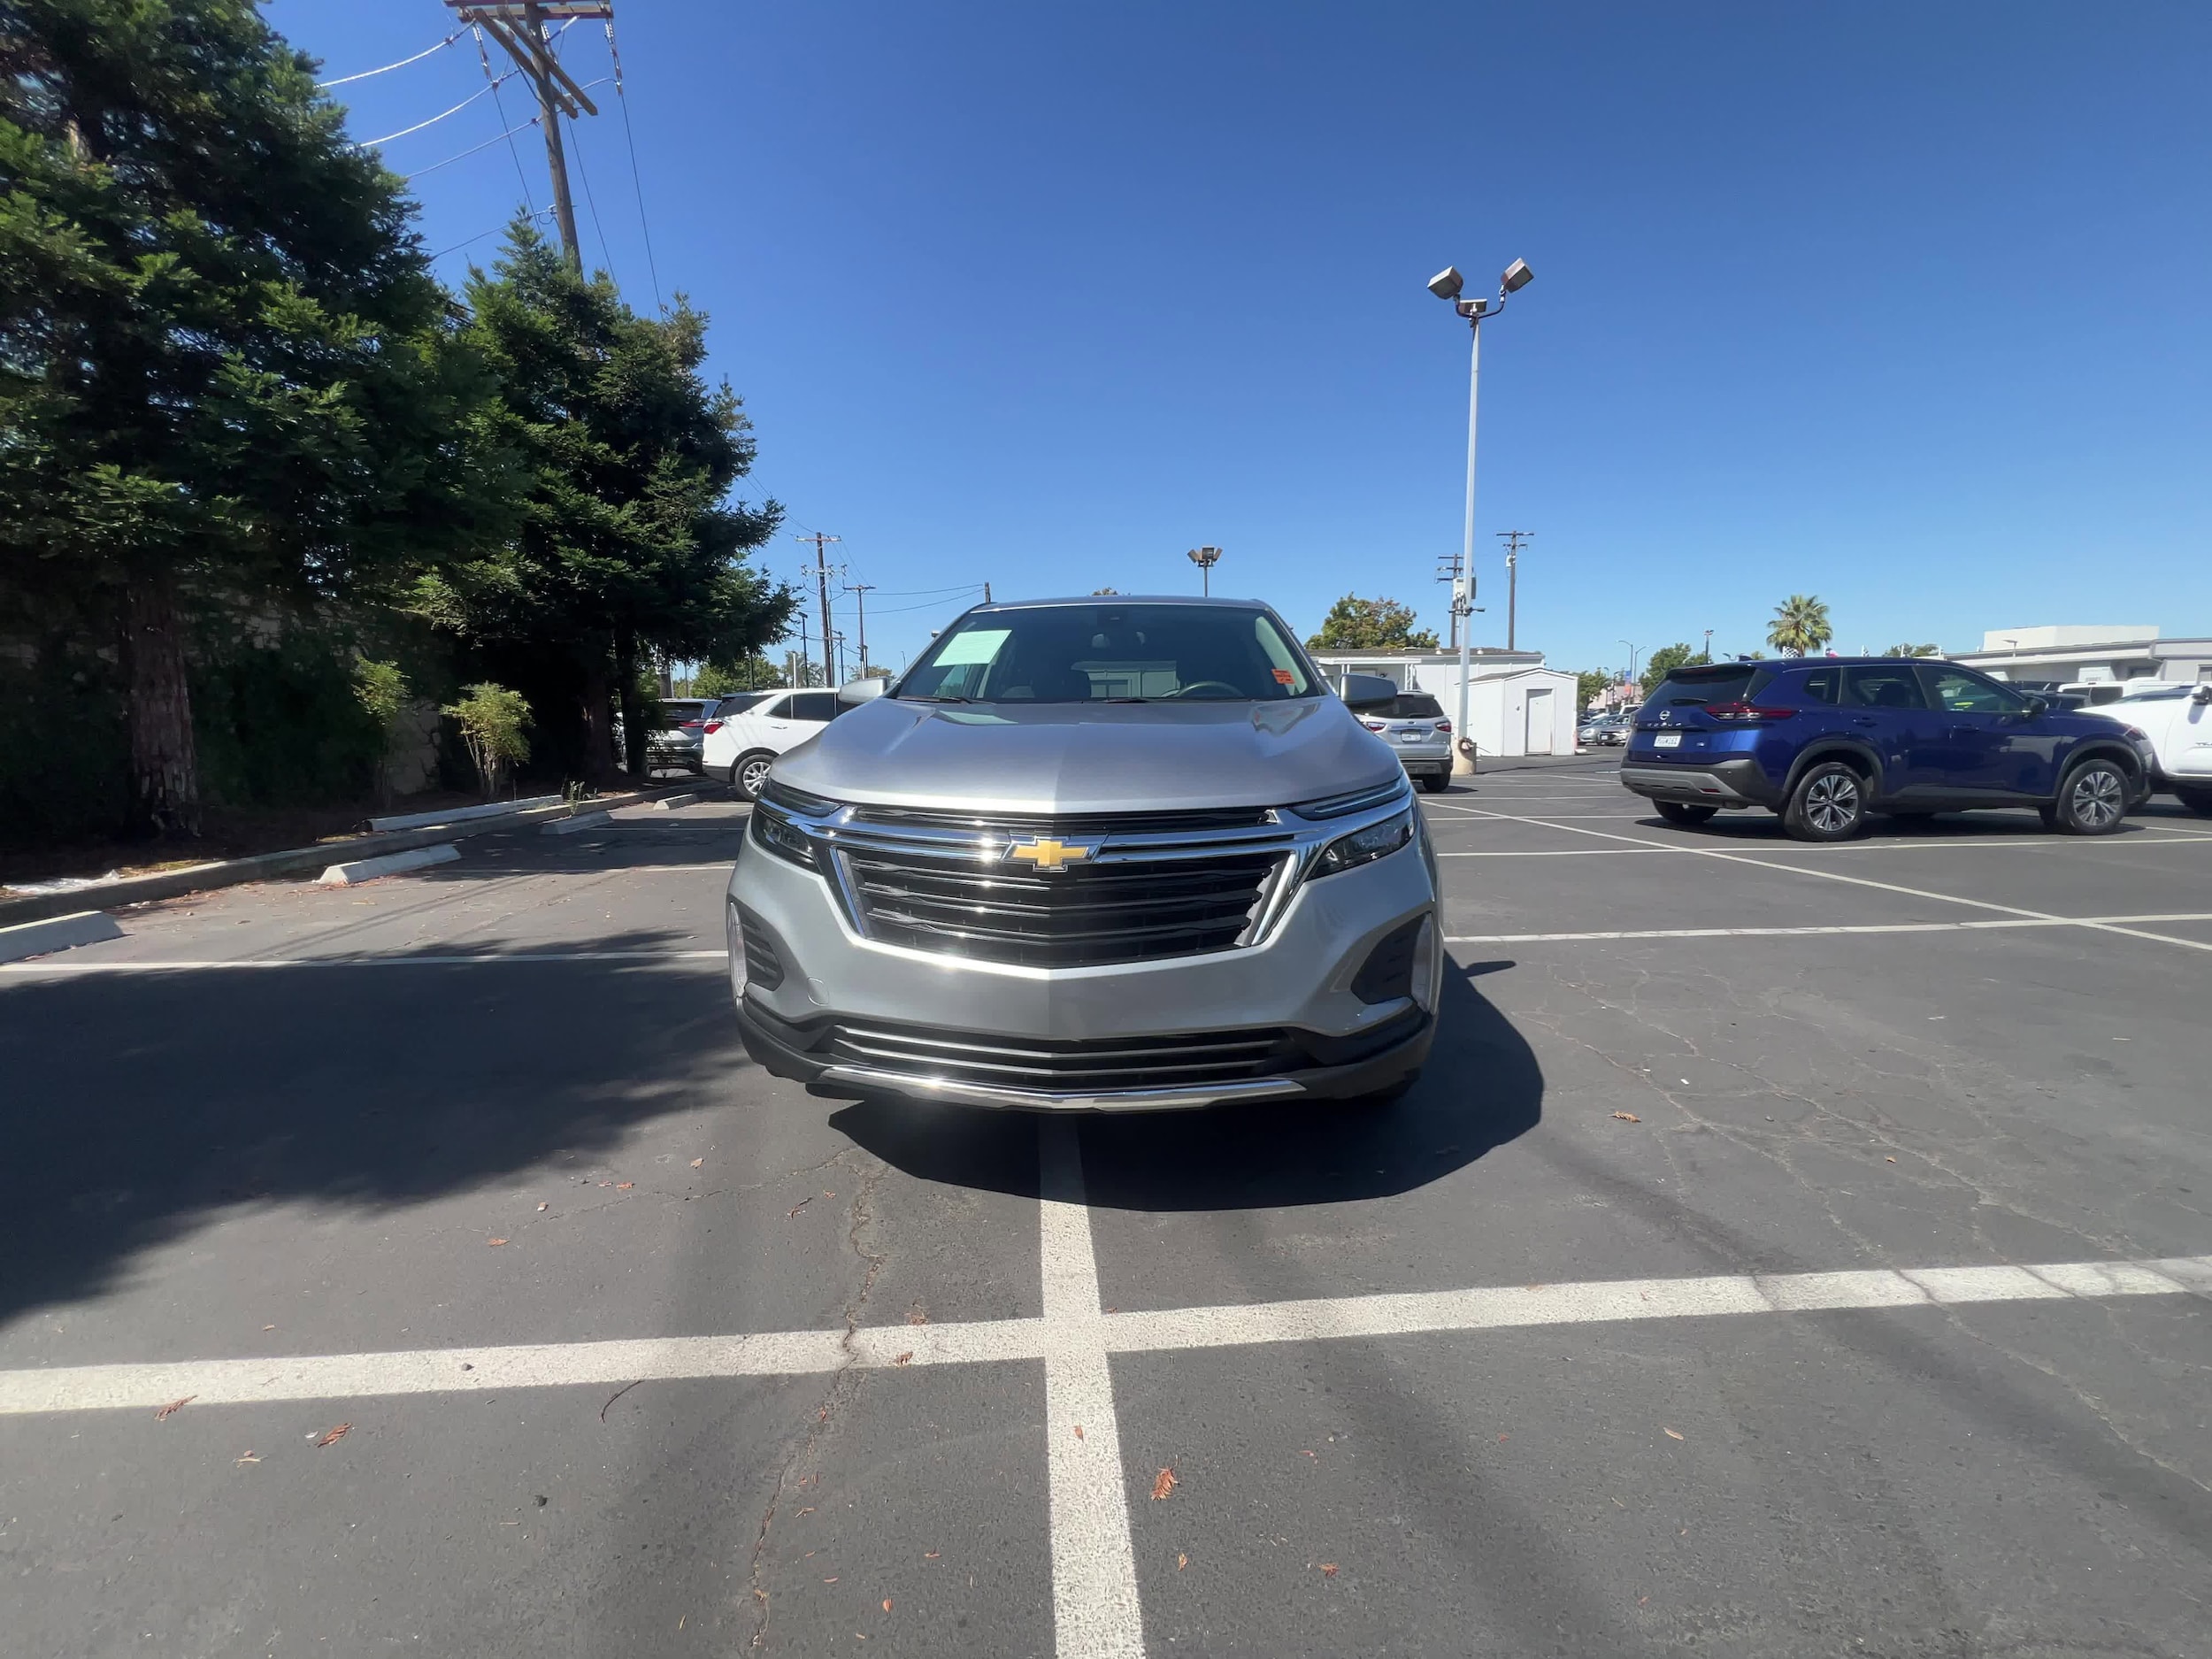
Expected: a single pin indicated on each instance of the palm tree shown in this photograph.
(1800, 625)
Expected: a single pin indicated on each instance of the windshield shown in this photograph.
(1702, 686)
(1121, 653)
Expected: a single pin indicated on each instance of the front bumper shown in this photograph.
(1733, 782)
(1295, 989)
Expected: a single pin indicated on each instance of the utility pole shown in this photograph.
(821, 586)
(1512, 540)
(518, 27)
(1708, 645)
(1448, 569)
(987, 593)
(860, 592)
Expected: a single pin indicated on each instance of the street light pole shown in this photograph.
(1631, 662)
(1205, 559)
(1447, 284)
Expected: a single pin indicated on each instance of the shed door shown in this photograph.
(1539, 740)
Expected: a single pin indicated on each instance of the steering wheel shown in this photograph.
(1204, 685)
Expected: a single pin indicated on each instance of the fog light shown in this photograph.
(1391, 971)
(1426, 947)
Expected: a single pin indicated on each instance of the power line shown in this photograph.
(518, 27)
(498, 103)
(346, 81)
(598, 229)
(637, 184)
(371, 143)
(464, 155)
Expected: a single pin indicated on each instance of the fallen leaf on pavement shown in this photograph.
(623, 1186)
(248, 1458)
(808, 1510)
(1078, 1431)
(1673, 1434)
(491, 1242)
(336, 1434)
(900, 1359)
(544, 1207)
(829, 1581)
(1328, 1570)
(797, 1208)
(1889, 1160)
(932, 1555)
(918, 1318)
(1163, 1484)
(1503, 1438)
(1628, 1118)
(1181, 1562)
(698, 1163)
(172, 1408)
(886, 1604)
(268, 1327)
(1315, 1456)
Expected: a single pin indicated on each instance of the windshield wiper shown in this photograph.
(919, 698)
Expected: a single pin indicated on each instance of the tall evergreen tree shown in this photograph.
(226, 375)
(629, 544)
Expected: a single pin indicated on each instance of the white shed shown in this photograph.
(1515, 704)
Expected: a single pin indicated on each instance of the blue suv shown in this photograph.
(1826, 740)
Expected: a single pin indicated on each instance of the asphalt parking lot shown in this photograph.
(1790, 1250)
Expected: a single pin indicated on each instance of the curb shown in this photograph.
(463, 814)
(690, 797)
(576, 825)
(59, 933)
(389, 865)
(262, 866)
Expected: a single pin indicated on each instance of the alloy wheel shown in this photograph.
(1833, 803)
(2096, 802)
(751, 776)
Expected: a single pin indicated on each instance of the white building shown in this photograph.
(1515, 704)
(2093, 653)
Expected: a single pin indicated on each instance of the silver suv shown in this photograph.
(1086, 855)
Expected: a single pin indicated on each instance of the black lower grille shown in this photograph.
(1107, 912)
(1185, 1060)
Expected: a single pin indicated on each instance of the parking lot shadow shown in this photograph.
(1481, 1088)
(138, 1107)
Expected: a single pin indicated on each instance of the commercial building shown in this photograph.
(2091, 653)
(1515, 704)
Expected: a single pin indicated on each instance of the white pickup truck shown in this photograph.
(2177, 720)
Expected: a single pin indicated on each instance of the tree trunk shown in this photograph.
(164, 767)
(633, 732)
(599, 762)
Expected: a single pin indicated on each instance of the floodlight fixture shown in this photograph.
(1447, 283)
(1517, 277)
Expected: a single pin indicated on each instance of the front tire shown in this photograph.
(2094, 800)
(1683, 812)
(1829, 804)
(749, 772)
(2197, 801)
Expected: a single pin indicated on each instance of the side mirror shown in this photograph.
(855, 691)
(1368, 691)
(2038, 706)
(2202, 694)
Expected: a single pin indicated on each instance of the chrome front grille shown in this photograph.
(1185, 1060)
(1094, 913)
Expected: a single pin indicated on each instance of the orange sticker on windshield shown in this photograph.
(1282, 676)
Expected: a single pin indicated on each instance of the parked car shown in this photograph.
(1092, 855)
(1826, 741)
(1608, 730)
(676, 743)
(1413, 725)
(740, 745)
(2177, 718)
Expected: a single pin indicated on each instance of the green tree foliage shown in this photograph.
(227, 383)
(1589, 684)
(1665, 659)
(629, 544)
(1370, 625)
(492, 718)
(1914, 650)
(1801, 625)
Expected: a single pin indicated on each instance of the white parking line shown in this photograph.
(488, 959)
(1812, 930)
(69, 1388)
(1837, 875)
(1095, 1606)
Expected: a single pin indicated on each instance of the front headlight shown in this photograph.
(1364, 846)
(773, 833)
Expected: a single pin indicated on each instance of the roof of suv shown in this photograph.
(1127, 599)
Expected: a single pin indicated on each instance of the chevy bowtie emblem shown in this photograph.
(1043, 853)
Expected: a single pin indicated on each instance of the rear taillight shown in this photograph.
(1375, 725)
(711, 728)
(1444, 726)
(1746, 713)
(690, 725)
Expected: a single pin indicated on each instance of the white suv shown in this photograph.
(2177, 718)
(742, 742)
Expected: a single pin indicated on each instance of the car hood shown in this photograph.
(1089, 757)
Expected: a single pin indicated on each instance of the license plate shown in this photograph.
(1667, 740)
(1412, 737)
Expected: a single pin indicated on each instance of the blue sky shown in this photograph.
(1903, 305)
